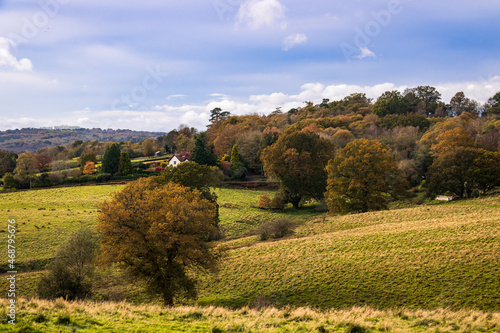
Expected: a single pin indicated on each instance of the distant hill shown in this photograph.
(32, 139)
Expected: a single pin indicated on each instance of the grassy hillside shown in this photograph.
(425, 257)
(431, 256)
(62, 316)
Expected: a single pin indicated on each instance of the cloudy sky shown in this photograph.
(154, 64)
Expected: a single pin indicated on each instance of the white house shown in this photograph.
(179, 158)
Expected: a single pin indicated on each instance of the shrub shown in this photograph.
(71, 272)
(9, 181)
(225, 166)
(103, 177)
(264, 201)
(279, 200)
(276, 229)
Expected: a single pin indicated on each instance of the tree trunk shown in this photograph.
(168, 298)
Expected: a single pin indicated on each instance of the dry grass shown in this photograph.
(63, 316)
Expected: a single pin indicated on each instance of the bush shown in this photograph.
(276, 229)
(103, 177)
(9, 181)
(70, 274)
(264, 201)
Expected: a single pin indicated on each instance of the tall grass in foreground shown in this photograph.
(62, 316)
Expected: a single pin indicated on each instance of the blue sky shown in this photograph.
(153, 64)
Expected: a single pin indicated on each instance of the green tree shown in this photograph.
(423, 99)
(486, 170)
(460, 104)
(298, 161)
(9, 181)
(70, 275)
(158, 232)
(236, 160)
(391, 102)
(111, 159)
(363, 177)
(124, 164)
(203, 153)
(7, 162)
(452, 172)
(492, 106)
(218, 115)
(88, 156)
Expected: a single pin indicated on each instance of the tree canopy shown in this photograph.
(362, 177)
(298, 160)
(111, 159)
(157, 232)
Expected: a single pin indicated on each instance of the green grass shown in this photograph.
(239, 215)
(432, 256)
(425, 257)
(45, 218)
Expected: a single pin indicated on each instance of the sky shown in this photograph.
(156, 64)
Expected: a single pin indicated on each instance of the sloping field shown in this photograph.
(431, 256)
(426, 257)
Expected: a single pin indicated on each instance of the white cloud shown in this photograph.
(7, 60)
(257, 14)
(365, 53)
(294, 40)
(167, 117)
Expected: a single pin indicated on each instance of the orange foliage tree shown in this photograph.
(89, 168)
(157, 232)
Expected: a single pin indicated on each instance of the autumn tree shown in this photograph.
(111, 159)
(341, 138)
(148, 147)
(298, 159)
(452, 139)
(363, 177)
(43, 161)
(25, 168)
(159, 232)
(89, 168)
(124, 164)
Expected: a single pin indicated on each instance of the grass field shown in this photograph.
(62, 316)
(419, 259)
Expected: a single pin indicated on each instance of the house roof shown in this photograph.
(183, 157)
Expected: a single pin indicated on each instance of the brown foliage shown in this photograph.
(157, 231)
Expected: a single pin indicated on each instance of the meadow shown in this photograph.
(434, 266)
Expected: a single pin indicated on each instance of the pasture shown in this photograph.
(408, 263)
